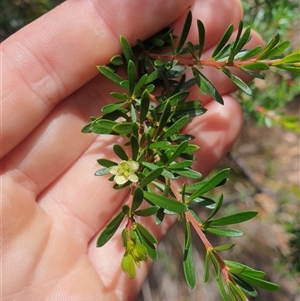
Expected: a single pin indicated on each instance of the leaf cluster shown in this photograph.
(150, 114)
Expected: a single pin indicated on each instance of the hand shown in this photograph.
(53, 206)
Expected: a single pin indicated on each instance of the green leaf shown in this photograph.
(185, 31)
(110, 74)
(190, 108)
(146, 233)
(192, 49)
(246, 287)
(201, 37)
(234, 49)
(176, 127)
(206, 266)
(119, 151)
(207, 185)
(151, 250)
(243, 86)
(159, 145)
(290, 68)
(237, 290)
(278, 50)
(216, 209)
(293, 57)
(224, 247)
(188, 173)
(165, 202)
(216, 265)
(102, 172)
(134, 147)
(265, 52)
(116, 60)
(257, 282)
(145, 102)
(117, 95)
(180, 165)
(189, 267)
(151, 176)
(164, 173)
(140, 84)
(256, 66)
(201, 79)
(177, 152)
(163, 119)
(131, 76)
(124, 128)
(250, 53)
(233, 219)
(223, 40)
(110, 230)
(243, 40)
(126, 48)
(102, 126)
(106, 162)
(138, 197)
(112, 107)
(222, 289)
(224, 232)
(147, 211)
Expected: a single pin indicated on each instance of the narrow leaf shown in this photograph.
(206, 266)
(102, 126)
(201, 37)
(176, 127)
(134, 147)
(225, 232)
(138, 197)
(293, 57)
(189, 267)
(102, 172)
(242, 85)
(185, 31)
(145, 102)
(223, 40)
(207, 185)
(224, 247)
(163, 119)
(147, 211)
(165, 202)
(131, 76)
(110, 230)
(233, 219)
(106, 162)
(209, 86)
(264, 53)
(110, 74)
(126, 48)
(123, 128)
(151, 176)
(250, 53)
(119, 151)
(146, 233)
(180, 165)
(112, 107)
(278, 50)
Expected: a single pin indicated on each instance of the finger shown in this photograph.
(55, 55)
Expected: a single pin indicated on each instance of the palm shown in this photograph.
(53, 206)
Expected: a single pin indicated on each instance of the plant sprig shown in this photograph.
(150, 120)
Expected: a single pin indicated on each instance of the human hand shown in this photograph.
(53, 205)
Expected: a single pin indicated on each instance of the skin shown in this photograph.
(53, 207)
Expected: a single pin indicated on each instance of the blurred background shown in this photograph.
(264, 169)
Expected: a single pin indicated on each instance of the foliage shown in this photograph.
(150, 121)
(271, 18)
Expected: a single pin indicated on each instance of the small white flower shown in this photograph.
(125, 171)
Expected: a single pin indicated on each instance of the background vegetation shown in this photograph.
(264, 163)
